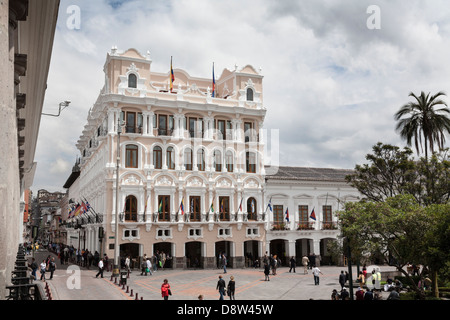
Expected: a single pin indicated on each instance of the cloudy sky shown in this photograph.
(331, 83)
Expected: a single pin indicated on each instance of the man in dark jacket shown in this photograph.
(221, 287)
(342, 279)
(292, 264)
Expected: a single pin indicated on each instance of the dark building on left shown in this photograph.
(27, 30)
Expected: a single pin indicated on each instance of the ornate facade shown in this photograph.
(191, 166)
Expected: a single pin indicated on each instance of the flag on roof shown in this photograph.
(172, 76)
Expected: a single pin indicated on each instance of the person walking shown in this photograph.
(305, 262)
(127, 264)
(100, 268)
(316, 271)
(342, 279)
(148, 267)
(292, 261)
(42, 268)
(224, 263)
(165, 290)
(33, 267)
(266, 271)
(51, 267)
(221, 287)
(231, 288)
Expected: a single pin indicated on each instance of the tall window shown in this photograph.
(162, 125)
(303, 217)
(131, 208)
(327, 214)
(132, 80)
(221, 129)
(248, 131)
(201, 159)
(251, 209)
(217, 160)
(131, 156)
(131, 122)
(164, 208)
(157, 157)
(188, 159)
(303, 213)
(278, 214)
(250, 160)
(194, 208)
(249, 94)
(224, 208)
(229, 161)
(170, 158)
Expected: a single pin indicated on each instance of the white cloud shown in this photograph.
(339, 82)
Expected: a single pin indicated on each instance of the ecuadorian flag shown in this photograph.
(172, 76)
(182, 206)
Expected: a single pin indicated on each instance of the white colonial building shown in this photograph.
(191, 180)
(299, 192)
(189, 145)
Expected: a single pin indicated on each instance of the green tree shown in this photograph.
(423, 119)
(392, 171)
(401, 230)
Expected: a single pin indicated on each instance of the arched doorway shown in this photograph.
(131, 250)
(278, 247)
(226, 248)
(164, 248)
(194, 258)
(251, 254)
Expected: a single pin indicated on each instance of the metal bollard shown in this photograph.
(131, 294)
(127, 290)
(136, 296)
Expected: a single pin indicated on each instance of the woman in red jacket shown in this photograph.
(165, 290)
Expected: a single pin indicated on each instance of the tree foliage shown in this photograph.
(401, 229)
(392, 171)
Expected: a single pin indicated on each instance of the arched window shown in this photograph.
(157, 157)
(218, 160)
(131, 208)
(251, 209)
(132, 80)
(229, 161)
(170, 158)
(201, 160)
(249, 94)
(131, 156)
(188, 159)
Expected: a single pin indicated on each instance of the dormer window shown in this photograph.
(132, 80)
(249, 94)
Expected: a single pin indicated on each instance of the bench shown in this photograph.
(19, 273)
(20, 280)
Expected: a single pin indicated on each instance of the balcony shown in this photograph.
(303, 225)
(328, 225)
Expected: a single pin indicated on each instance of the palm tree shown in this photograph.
(424, 120)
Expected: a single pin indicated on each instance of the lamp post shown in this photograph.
(349, 261)
(116, 235)
(64, 104)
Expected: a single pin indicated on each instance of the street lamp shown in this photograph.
(116, 237)
(64, 104)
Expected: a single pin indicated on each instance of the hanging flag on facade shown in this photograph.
(211, 208)
(172, 76)
(213, 83)
(240, 206)
(287, 214)
(160, 207)
(182, 206)
(313, 215)
(270, 205)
